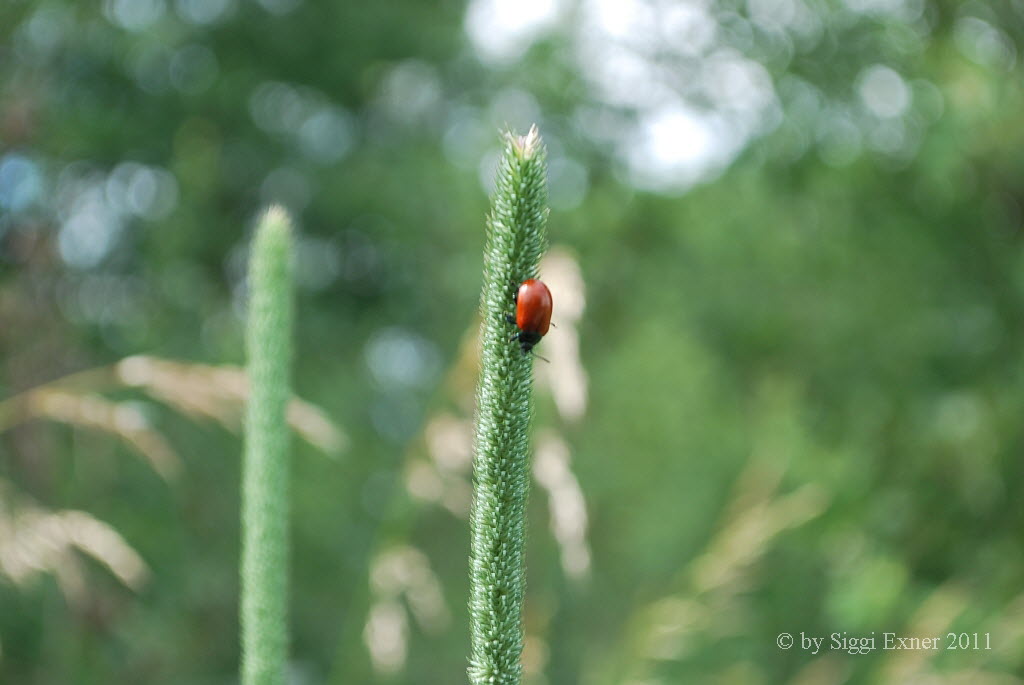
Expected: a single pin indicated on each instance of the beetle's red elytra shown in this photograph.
(533, 313)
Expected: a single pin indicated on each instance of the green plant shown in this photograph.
(516, 238)
(265, 464)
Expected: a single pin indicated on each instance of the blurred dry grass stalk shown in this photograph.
(711, 604)
(198, 391)
(401, 572)
(124, 420)
(713, 584)
(35, 540)
(437, 472)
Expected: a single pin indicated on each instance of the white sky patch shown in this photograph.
(736, 83)
(620, 75)
(688, 27)
(676, 105)
(625, 20)
(639, 55)
(674, 146)
(502, 30)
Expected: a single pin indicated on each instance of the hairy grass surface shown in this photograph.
(516, 239)
(265, 477)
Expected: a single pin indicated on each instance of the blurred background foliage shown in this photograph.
(786, 388)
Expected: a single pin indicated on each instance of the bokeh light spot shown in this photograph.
(502, 30)
(883, 91)
(134, 15)
(203, 11)
(21, 182)
(326, 135)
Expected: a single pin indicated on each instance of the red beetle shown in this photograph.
(533, 313)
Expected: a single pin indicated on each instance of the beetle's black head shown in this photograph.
(527, 340)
